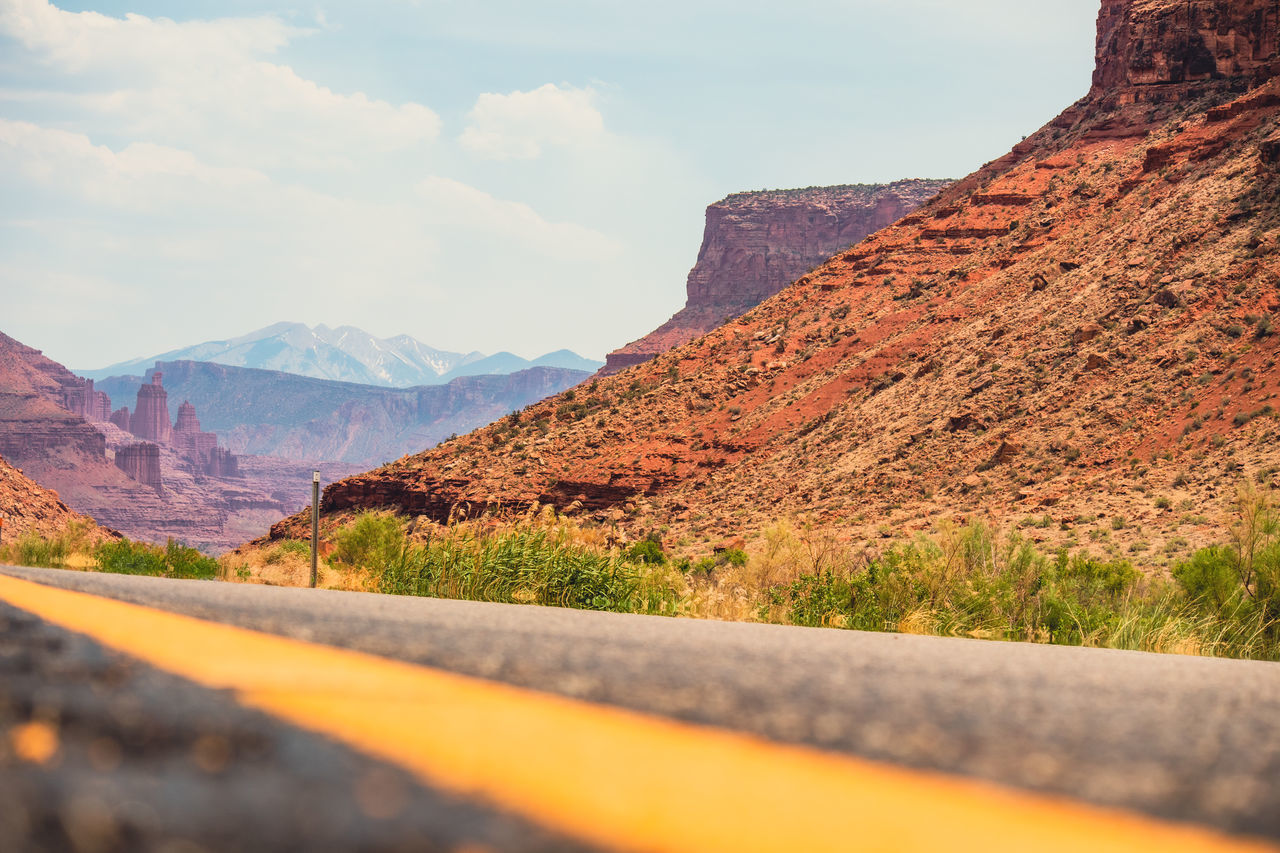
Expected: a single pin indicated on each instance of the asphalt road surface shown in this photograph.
(151, 761)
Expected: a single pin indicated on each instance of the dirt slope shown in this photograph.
(1085, 332)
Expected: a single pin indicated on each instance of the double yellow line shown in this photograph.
(618, 779)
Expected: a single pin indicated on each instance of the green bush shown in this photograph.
(648, 551)
(970, 582)
(528, 564)
(375, 541)
(1209, 578)
(172, 561)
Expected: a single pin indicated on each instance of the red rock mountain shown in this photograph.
(758, 243)
(1083, 331)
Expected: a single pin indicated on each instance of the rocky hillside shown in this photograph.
(268, 413)
(1082, 337)
(26, 507)
(756, 244)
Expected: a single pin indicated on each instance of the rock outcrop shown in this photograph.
(82, 400)
(141, 462)
(199, 447)
(1146, 45)
(1082, 334)
(150, 419)
(757, 243)
(120, 417)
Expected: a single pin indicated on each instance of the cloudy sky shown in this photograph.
(480, 174)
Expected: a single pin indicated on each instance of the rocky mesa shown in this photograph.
(1084, 333)
(757, 243)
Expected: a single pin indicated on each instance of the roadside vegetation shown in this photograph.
(540, 559)
(75, 548)
(969, 581)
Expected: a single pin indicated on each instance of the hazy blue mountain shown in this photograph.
(346, 354)
(503, 363)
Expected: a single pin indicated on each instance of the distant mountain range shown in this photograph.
(348, 354)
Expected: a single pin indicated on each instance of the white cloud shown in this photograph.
(518, 125)
(207, 86)
(450, 202)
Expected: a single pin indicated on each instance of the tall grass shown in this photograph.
(50, 552)
(1224, 601)
(75, 548)
(538, 560)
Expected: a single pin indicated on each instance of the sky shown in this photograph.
(480, 174)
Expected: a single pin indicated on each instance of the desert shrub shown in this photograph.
(374, 541)
(172, 561)
(648, 551)
(539, 560)
(287, 548)
(973, 582)
(37, 551)
(1209, 577)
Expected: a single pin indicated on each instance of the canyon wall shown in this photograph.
(757, 243)
(1144, 43)
(141, 462)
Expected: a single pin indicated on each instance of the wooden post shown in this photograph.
(315, 525)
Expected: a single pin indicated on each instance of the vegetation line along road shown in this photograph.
(671, 786)
(971, 581)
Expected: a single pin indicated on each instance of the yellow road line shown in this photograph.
(613, 777)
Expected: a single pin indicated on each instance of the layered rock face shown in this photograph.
(1146, 43)
(82, 400)
(141, 462)
(1082, 332)
(755, 244)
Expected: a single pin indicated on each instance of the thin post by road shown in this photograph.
(315, 525)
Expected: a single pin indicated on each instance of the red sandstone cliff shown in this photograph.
(1155, 43)
(757, 243)
(1087, 327)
